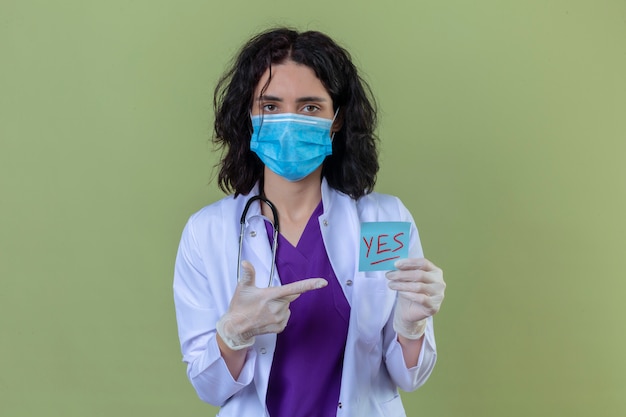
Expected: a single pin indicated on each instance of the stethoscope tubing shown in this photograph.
(242, 224)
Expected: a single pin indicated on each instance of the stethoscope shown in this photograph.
(242, 227)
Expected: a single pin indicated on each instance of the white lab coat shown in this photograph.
(205, 280)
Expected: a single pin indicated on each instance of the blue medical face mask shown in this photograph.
(291, 145)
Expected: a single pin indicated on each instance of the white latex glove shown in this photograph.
(420, 289)
(254, 311)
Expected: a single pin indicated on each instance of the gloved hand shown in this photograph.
(420, 289)
(254, 311)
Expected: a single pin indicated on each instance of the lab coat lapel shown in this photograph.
(340, 230)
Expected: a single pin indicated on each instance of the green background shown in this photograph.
(503, 128)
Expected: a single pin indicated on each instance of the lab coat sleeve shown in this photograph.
(197, 313)
(410, 379)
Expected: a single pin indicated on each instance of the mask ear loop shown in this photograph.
(260, 116)
(332, 134)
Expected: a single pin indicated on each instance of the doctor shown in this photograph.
(296, 125)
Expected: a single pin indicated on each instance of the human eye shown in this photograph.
(269, 108)
(310, 108)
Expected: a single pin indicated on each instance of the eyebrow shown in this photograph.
(299, 100)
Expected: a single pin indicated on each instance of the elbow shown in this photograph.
(208, 398)
(207, 392)
(421, 373)
(214, 388)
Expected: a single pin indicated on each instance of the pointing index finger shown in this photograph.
(300, 287)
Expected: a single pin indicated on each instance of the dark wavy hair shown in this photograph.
(353, 165)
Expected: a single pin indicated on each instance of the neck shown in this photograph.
(294, 201)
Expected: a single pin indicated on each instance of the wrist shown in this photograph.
(409, 330)
(233, 340)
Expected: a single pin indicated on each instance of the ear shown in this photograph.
(337, 124)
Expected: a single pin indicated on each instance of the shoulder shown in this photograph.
(378, 198)
(382, 207)
(373, 206)
(218, 215)
(373, 200)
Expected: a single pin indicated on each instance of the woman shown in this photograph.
(296, 125)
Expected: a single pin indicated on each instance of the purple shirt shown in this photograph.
(306, 371)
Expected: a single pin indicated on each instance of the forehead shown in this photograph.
(290, 79)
